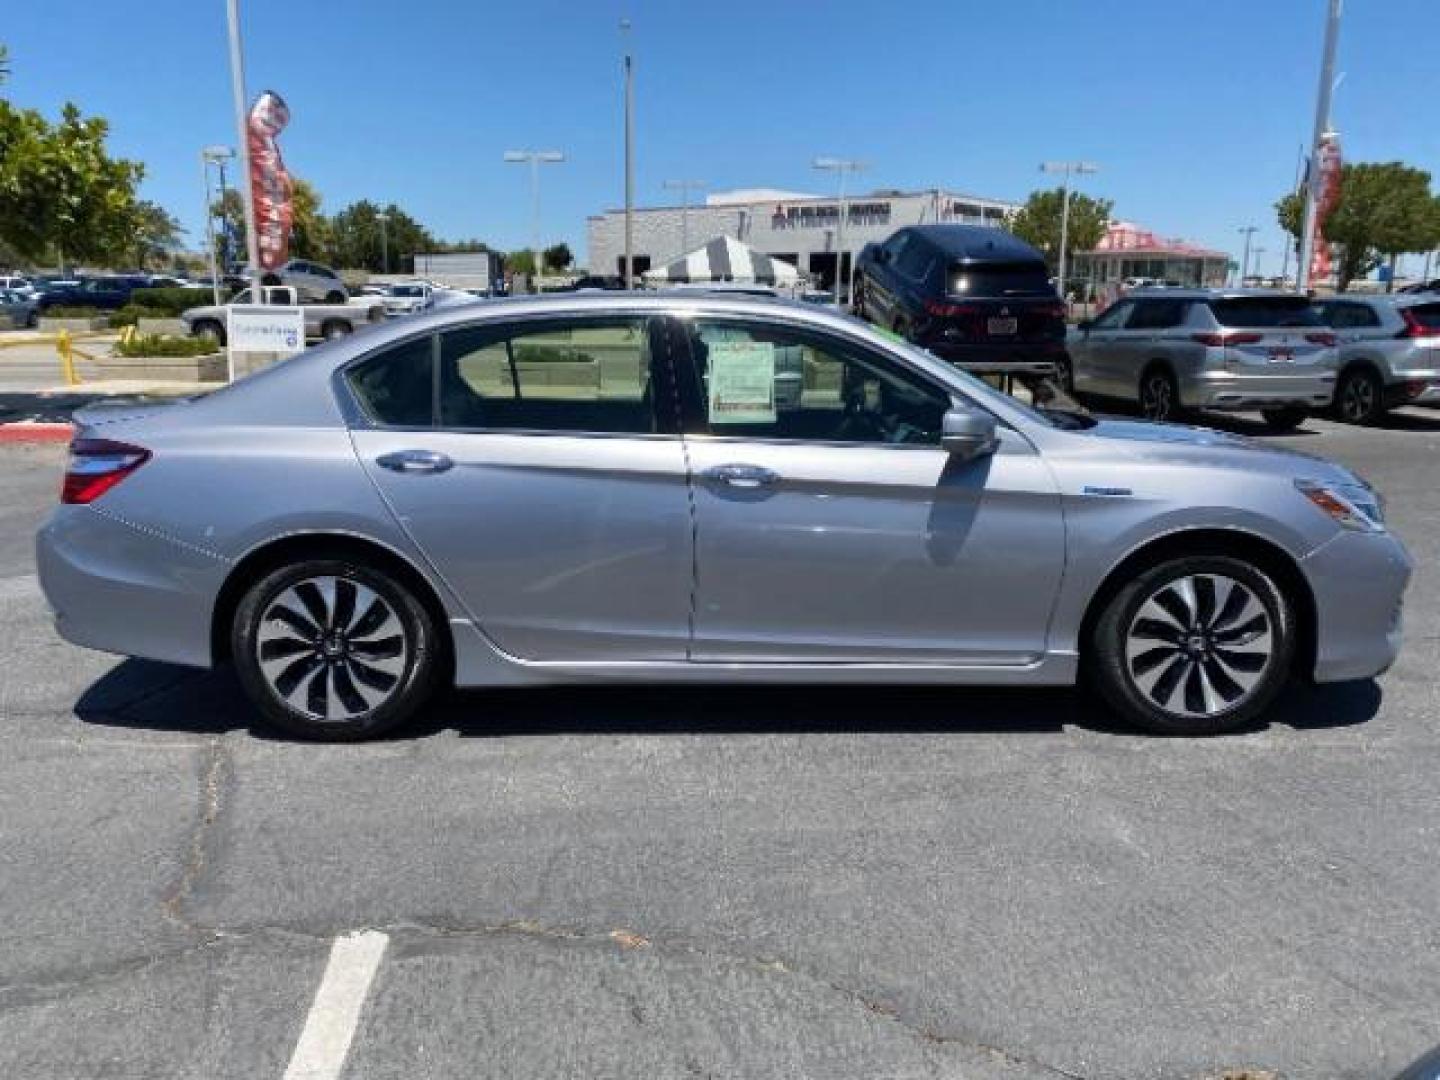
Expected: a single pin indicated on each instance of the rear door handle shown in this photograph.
(414, 461)
(740, 476)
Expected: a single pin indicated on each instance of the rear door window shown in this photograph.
(1158, 314)
(1113, 318)
(1265, 312)
(1000, 280)
(1343, 316)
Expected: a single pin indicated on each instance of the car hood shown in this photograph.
(1179, 444)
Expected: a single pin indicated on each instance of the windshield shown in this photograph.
(407, 290)
(1265, 312)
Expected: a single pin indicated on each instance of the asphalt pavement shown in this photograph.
(717, 882)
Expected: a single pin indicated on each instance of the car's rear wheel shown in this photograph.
(210, 328)
(1194, 646)
(334, 649)
(335, 297)
(1360, 397)
(1159, 395)
(1284, 419)
(335, 328)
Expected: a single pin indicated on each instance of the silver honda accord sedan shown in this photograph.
(706, 489)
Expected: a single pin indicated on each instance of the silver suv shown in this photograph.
(313, 282)
(1389, 352)
(1227, 350)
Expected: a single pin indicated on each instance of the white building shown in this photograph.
(797, 227)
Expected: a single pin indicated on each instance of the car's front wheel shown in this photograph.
(335, 649)
(1194, 646)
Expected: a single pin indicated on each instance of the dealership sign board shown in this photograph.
(263, 328)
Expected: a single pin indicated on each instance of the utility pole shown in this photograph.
(629, 158)
(213, 155)
(1322, 125)
(684, 187)
(534, 158)
(383, 218)
(1248, 231)
(1066, 169)
(840, 166)
(237, 87)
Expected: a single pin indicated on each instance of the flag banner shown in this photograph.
(270, 187)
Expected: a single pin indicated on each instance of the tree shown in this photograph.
(358, 238)
(230, 230)
(311, 234)
(156, 234)
(59, 189)
(557, 257)
(1384, 210)
(520, 262)
(1038, 222)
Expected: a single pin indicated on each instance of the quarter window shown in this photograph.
(772, 382)
(397, 387)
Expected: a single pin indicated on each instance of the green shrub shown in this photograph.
(127, 315)
(168, 303)
(164, 345)
(62, 311)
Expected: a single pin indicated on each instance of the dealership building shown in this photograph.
(788, 225)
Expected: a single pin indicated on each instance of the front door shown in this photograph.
(537, 465)
(1105, 359)
(829, 524)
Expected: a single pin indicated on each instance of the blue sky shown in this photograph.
(1194, 111)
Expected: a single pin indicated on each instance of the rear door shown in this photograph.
(538, 465)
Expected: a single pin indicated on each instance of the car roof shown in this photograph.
(1391, 299)
(1172, 293)
(978, 243)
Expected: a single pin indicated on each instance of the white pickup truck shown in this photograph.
(321, 320)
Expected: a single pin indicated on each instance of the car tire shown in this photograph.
(335, 650)
(1159, 395)
(1360, 397)
(32, 320)
(335, 328)
(1176, 656)
(1065, 375)
(857, 297)
(1284, 419)
(209, 328)
(335, 297)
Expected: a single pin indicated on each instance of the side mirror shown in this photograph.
(968, 433)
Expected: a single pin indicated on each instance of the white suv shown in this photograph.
(313, 282)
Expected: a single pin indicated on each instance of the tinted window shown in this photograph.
(396, 386)
(1427, 315)
(1261, 312)
(1000, 279)
(1114, 316)
(1348, 316)
(915, 261)
(589, 375)
(896, 244)
(777, 382)
(1157, 314)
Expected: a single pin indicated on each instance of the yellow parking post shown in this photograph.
(67, 358)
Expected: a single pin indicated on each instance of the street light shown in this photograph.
(534, 158)
(1066, 169)
(684, 187)
(237, 88)
(1249, 231)
(213, 155)
(383, 218)
(1257, 253)
(840, 166)
(629, 157)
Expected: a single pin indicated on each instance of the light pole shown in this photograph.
(534, 158)
(1067, 169)
(1322, 125)
(237, 87)
(1257, 253)
(384, 218)
(839, 166)
(213, 155)
(629, 158)
(684, 187)
(1248, 231)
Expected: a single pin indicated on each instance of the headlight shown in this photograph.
(1353, 506)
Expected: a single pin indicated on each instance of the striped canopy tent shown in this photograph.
(724, 259)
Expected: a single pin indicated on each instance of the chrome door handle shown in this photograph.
(740, 476)
(414, 461)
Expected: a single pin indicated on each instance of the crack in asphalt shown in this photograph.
(213, 777)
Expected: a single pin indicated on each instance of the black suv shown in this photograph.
(105, 292)
(973, 295)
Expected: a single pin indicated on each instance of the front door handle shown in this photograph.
(414, 461)
(740, 476)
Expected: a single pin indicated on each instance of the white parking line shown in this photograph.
(335, 1012)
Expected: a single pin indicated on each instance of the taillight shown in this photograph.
(1223, 338)
(1414, 328)
(941, 310)
(1320, 339)
(96, 466)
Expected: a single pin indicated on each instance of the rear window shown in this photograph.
(1427, 315)
(1000, 279)
(1260, 312)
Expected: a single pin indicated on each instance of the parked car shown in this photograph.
(1174, 350)
(972, 295)
(1431, 286)
(376, 517)
(1389, 352)
(21, 311)
(106, 292)
(17, 284)
(407, 298)
(314, 283)
(326, 321)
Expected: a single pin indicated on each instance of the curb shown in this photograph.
(30, 432)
